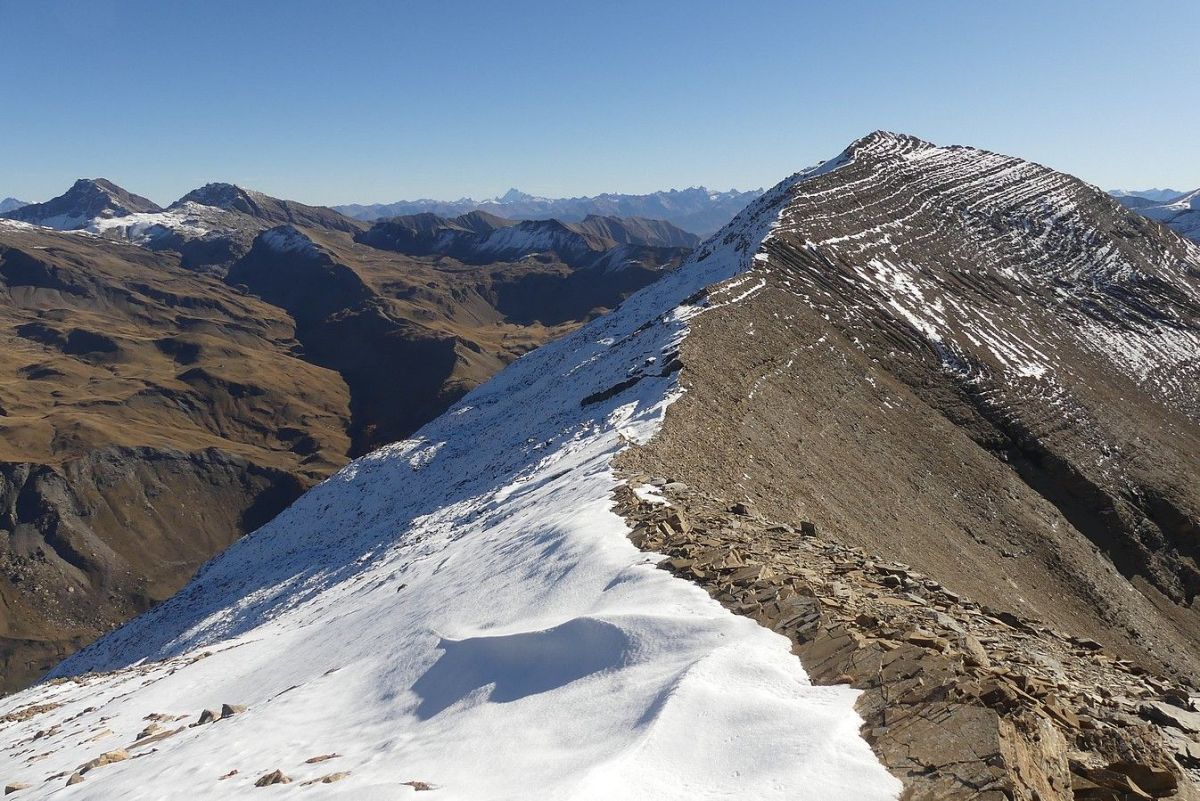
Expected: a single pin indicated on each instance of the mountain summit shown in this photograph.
(87, 199)
(264, 207)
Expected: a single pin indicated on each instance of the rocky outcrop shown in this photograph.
(960, 700)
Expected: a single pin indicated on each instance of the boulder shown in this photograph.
(208, 716)
(274, 777)
(1170, 715)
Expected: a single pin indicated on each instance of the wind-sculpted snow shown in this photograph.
(463, 609)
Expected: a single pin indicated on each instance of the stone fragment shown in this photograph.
(76, 778)
(208, 716)
(1170, 715)
(14, 787)
(320, 758)
(1185, 749)
(107, 758)
(274, 777)
(156, 737)
(416, 785)
(1157, 781)
(229, 710)
(974, 654)
(328, 778)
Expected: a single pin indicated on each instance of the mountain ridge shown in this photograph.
(697, 210)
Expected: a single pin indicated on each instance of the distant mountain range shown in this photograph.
(11, 204)
(698, 210)
(1153, 195)
(1177, 210)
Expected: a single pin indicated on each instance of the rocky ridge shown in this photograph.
(953, 405)
(960, 700)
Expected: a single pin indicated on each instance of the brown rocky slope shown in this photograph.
(974, 379)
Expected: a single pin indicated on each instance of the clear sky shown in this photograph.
(336, 101)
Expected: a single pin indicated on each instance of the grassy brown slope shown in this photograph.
(148, 417)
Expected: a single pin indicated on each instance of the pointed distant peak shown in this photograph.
(87, 200)
(126, 200)
(513, 195)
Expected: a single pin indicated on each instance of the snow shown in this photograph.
(16, 224)
(464, 609)
(141, 227)
(286, 239)
(1181, 214)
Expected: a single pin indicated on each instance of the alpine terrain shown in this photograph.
(886, 491)
(171, 379)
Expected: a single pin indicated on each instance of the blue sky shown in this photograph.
(335, 102)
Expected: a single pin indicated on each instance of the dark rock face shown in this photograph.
(395, 370)
(987, 372)
(411, 338)
(74, 549)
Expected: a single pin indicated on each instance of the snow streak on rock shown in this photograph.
(1008, 270)
(463, 610)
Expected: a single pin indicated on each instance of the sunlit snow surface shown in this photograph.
(463, 609)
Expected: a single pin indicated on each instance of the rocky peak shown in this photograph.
(223, 196)
(513, 195)
(87, 200)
